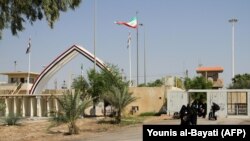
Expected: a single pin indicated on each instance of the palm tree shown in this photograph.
(119, 99)
(72, 107)
(111, 77)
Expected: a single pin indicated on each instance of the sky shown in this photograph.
(179, 35)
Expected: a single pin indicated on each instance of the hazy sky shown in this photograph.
(180, 34)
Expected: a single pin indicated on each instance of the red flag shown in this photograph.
(132, 23)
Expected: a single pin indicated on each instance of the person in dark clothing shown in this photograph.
(184, 115)
(194, 112)
(214, 108)
(204, 107)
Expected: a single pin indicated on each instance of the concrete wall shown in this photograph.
(220, 98)
(248, 102)
(175, 100)
(150, 99)
(29, 105)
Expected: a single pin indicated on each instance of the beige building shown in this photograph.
(14, 93)
(17, 82)
(149, 99)
(212, 74)
(18, 102)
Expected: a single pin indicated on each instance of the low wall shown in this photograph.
(150, 99)
(175, 100)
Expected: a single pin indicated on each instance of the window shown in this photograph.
(22, 80)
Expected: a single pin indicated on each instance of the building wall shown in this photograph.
(237, 97)
(14, 78)
(220, 98)
(175, 100)
(150, 99)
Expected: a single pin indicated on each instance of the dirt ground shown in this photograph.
(37, 130)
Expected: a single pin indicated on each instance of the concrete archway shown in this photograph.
(58, 63)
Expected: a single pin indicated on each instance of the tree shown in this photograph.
(240, 82)
(14, 13)
(113, 76)
(156, 83)
(72, 107)
(81, 85)
(101, 82)
(198, 82)
(187, 83)
(179, 83)
(96, 84)
(119, 99)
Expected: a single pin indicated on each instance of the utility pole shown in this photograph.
(94, 34)
(233, 21)
(145, 75)
(137, 59)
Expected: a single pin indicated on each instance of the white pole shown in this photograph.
(94, 34)
(145, 79)
(233, 51)
(129, 57)
(137, 48)
(233, 21)
(130, 81)
(28, 79)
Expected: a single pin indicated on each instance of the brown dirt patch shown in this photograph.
(38, 130)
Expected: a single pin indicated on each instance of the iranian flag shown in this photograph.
(132, 23)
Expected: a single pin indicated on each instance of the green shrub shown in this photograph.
(2, 106)
(148, 114)
(131, 120)
(12, 119)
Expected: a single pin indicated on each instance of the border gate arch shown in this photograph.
(59, 62)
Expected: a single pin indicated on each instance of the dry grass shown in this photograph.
(38, 130)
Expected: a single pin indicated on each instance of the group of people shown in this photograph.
(188, 114)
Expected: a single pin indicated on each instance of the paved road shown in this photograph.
(134, 133)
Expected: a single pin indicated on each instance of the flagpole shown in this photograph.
(130, 81)
(29, 70)
(137, 38)
(133, 23)
(145, 78)
(28, 80)
(233, 21)
(129, 64)
(94, 34)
